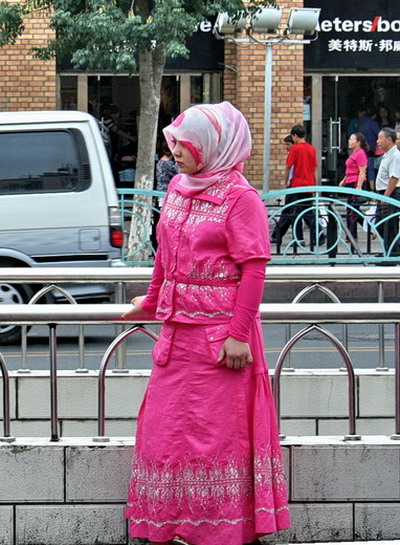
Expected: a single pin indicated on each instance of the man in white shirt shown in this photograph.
(388, 184)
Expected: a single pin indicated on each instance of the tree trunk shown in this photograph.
(151, 67)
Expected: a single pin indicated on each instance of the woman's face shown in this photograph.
(353, 142)
(183, 158)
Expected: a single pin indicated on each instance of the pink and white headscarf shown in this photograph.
(217, 136)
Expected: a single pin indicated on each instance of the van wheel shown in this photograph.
(13, 294)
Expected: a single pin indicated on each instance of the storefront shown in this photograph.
(185, 82)
(354, 64)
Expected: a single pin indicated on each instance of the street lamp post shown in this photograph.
(267, 116)
(267, 20)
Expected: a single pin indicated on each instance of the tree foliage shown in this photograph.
(11, 24)
(107, 34)
(134, 36)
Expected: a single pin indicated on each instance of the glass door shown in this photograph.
(346, 99)
(334, 141)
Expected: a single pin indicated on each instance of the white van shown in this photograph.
(58, 202)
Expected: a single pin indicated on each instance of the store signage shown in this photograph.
(356, 35)
(206, 52)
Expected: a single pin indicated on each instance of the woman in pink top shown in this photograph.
(207, 467)
(355, 176)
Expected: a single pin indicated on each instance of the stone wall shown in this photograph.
(73, 492)
(314, 402)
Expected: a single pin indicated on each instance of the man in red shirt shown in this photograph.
(303, 158)
(301, 171)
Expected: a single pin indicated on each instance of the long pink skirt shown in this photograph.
(207, 465)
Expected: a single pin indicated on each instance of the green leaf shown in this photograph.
(11, 25)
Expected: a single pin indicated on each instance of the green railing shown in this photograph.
(329, 212)
(140, 198)
(331, 209)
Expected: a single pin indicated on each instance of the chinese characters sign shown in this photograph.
(354, 34)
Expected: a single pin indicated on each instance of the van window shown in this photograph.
(43, 162)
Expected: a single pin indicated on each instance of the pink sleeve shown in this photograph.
(149, 304)
(247, 229)
(248, 299)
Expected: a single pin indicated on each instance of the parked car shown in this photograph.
(58, 202)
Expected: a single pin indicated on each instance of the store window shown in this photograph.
(346, 99)
(196, 89)
(69, 93)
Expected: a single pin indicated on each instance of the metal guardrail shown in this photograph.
(130, 202)
(335, 213)
(331, 208)
(121, 277)
(314, 315)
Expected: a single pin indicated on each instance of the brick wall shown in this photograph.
(26, 83)
(246, 89)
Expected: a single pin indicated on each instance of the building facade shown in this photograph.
(26, 83)
(215, 71)
(353, 63)
(352, 70)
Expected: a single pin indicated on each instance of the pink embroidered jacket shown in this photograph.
(202, 242)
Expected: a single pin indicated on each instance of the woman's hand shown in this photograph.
(137, 308)
(237, 353)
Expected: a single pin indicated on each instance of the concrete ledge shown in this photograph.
(12, 398)
(377, 521)
(73, 492)
(6, 525)
(336, 473)
(313, 521)
(313, 402)
(70, 525)
(97, 474)
(31, 473)
(78, 394)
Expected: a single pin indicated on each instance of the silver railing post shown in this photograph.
(55, 432)
(381, 329)
(81, 344)
(352, 436)
(101, 437)
(335, 299)
(288, 335)
(24, 350)
(120, 354)
(6, 402)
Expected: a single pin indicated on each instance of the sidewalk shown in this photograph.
(381, 542)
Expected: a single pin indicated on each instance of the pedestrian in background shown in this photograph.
(302, 163)
(207, 466)
(166, 169)
(398, 140)
(355, 176)
(369, 127)
(388, 184)
(288, 214)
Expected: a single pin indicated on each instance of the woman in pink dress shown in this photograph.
(355, 176)
(207, 467)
